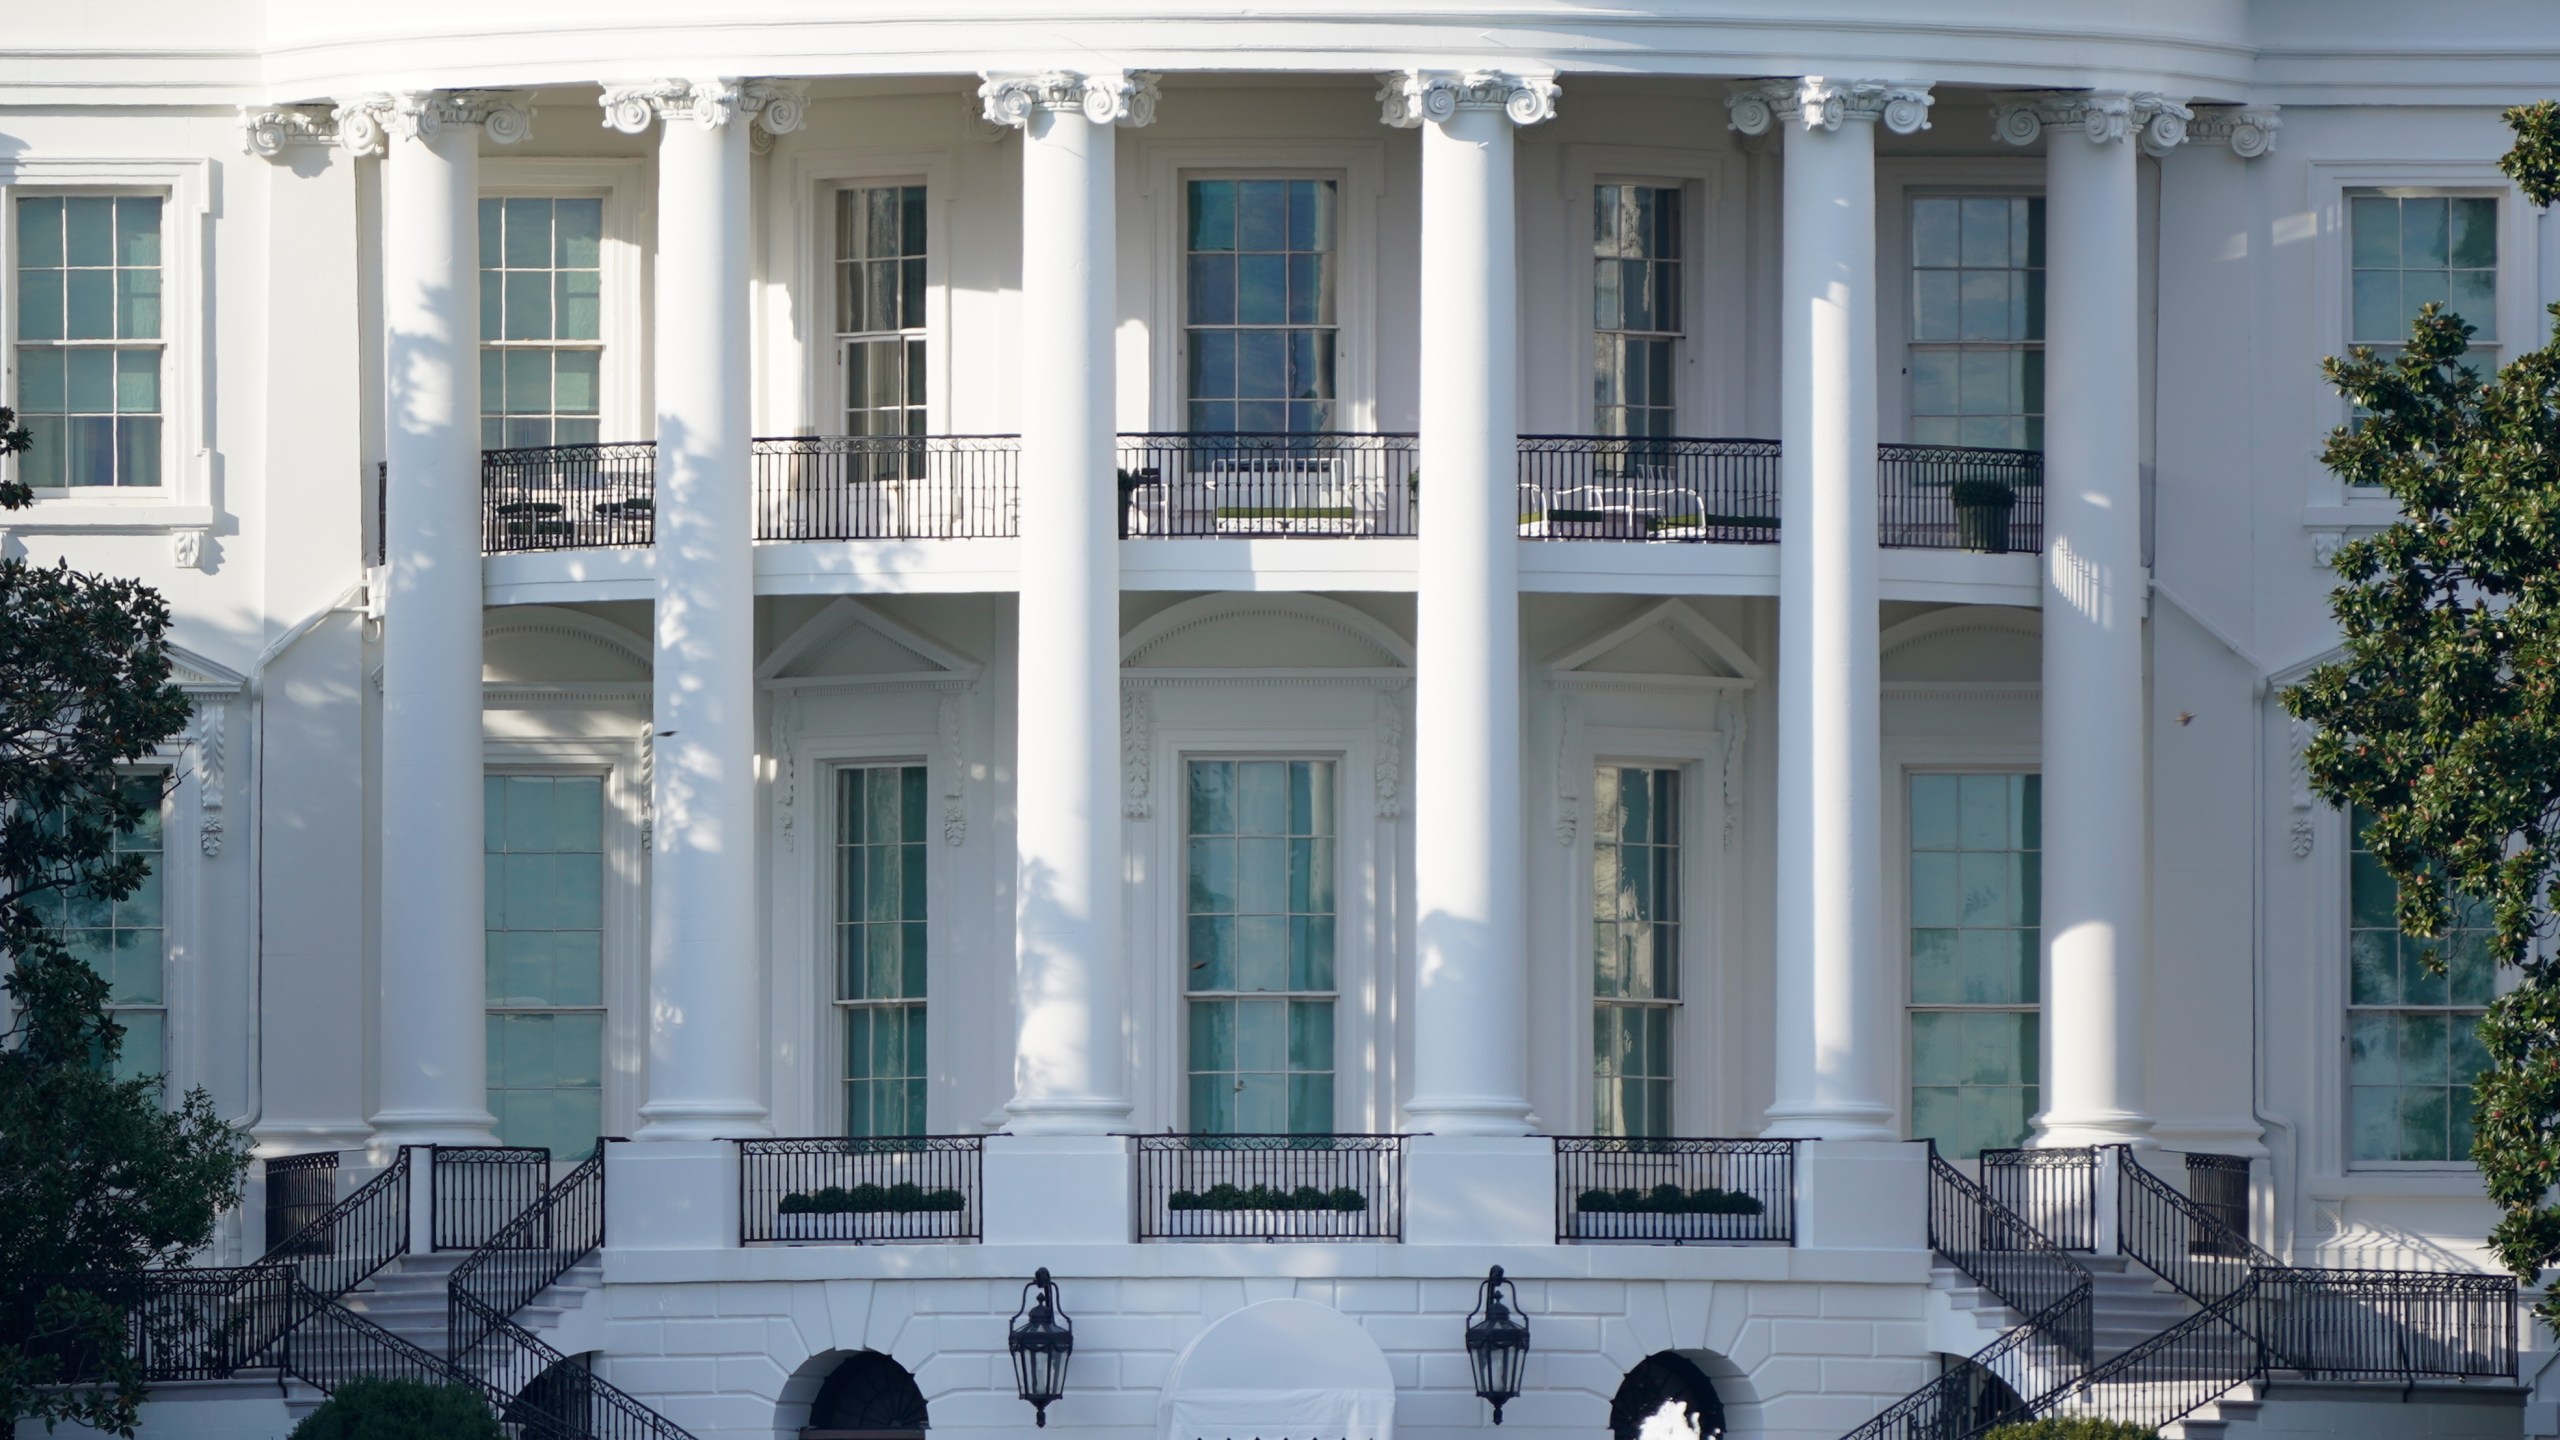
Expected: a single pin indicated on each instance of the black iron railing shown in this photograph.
(1674, 1191)
(2219, 1184)
(177, 1324)
(2176, 1238)
(1596, 487)
(2027, 1360)
(300, 1188)
(345, 1244)
(475, 1190)
(381, 546)
(2056, 1191)
(1267, 486)
(861, 1189)
(2007, 1256)
(565, 497)
(2386, 1324)
(886, 487)
(1955, 497)
(520, 1259)
(2174, 1373)
(1271, 1187)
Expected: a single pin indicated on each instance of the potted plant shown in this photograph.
(1247, 1212)
(1982, 514)
(819, 1214)
(1658, 1212)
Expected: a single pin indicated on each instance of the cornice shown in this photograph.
(1105, 97)
(2104, 116)
(777, 106)
(1818, 102)
(366, 124)
(1408, 98)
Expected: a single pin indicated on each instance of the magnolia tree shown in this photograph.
(98, 1176)
(2442, 720)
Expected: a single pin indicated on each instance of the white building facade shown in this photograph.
(848, 594)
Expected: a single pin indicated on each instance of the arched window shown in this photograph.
(1666, 1398)
(868, 1397)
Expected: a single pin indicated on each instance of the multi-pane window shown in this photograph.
(880, 946)
(1977, 320)
(541, 321)
(89, 339)
(2413, 1033)
(1976, 881)
(1635, 322)
(545, 875)
(125, 941)
(1259, 882)
(880, 312)
(2412, 250)
(1260, 309)
(1635, 947)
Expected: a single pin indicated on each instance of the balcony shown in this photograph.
(861, 1190)
(1261, 487)
(1675, 1192)
(1271, 1187)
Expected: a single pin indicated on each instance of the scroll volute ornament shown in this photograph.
(1408, 99)
(1817, 102)
(1109, 98)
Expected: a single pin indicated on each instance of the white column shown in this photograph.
(1470, 1008)
(1071, 1047)
(434, 1080)
(1833, 998)
(706, 1050)
(2096, 881)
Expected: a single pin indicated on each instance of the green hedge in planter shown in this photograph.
(1341, 1198)
(1667, 1200)
(2077, 1427)
(400, 1410)
(868, 1199)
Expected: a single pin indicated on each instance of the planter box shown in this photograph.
(1983, 529)
(1263, 1224)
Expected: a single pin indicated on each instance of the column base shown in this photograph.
(672, 1195)
(698, 1121)
(1468, 1115)
(1072, 1116)
(2092, 1127)
(1060, 1190)
(1868, 1123)
(395, 1128)
(1862, 1195)
(1480, 1190)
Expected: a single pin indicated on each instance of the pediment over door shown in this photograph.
(851, 642)
(1666, 644)
(1264, 632)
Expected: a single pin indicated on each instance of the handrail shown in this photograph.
(2172, 1374)
(2161, 1229)
(1944, 1407)
(525, 1256)
(1648, 487)
(2001, 1252)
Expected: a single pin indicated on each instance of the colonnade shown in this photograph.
(1835, 990)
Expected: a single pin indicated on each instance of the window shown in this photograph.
(1976, 880)
(541, 321)
(1635, 948)
(880, 315)
(126, 941)
(2410, 250)
(545, 858)
(1261, 285)
(1636, 328)
(89, 340)
(2413, 1035)
(1977, 320)
(1259, 975)
(880, 946)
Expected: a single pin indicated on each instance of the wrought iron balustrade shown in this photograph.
(1271, 1187)
(2056, 1191)
(886, 487)
(1675, 1191)
(523, 1257)
(300, 1188)
(861, 1189)
(2005, 1255)
(1268, 486)
(2332, 1324)
(2219, 1185)
(568, 497)
(1958, 497)
(1598, 487)
(475, 1190)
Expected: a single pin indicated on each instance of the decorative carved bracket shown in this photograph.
(1408, 98)
(1110, 97)
(2103, 116)
(268, 133)
(777, 106)
(1817, 102)
(2250, 130)
(366, 125)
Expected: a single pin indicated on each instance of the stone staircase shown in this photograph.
(407, 1298)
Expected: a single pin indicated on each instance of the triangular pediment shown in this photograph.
(849, 640)
(1667, 642)
(196, 674)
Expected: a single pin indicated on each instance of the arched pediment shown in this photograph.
(546, 645)
(849, 640)
(1263, 632)
(1666, 642)
(1978, 644)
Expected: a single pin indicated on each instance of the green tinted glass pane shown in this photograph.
(1311, 1035)
(145, 1048)
(1212, 808)
(579, 234)
(89, 230)
(528, 305)
(39, 232)
(2423, 232)
(89, 304)
(2375, 223)
(578, 302)
(528, 234)
(137, 381)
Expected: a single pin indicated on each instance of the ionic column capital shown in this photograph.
(1111, 97)
(365, 123)
(1819, 102)
(1407, 98)
(2250, 130)
(2104, 116)
(776, 106)
(268, 131)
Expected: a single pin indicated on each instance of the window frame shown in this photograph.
(623, 401)
(1898, 891)
(1910, 266)
(1713, 398)
(799, 387)
(183, 499)
(1685, 346)
(806, 1013)
(922, 331)
(831, 873)
(1682, 1047)
(1900, 180)
(1181, 267)
(605, 1007)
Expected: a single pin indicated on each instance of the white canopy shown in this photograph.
(1281, 1370)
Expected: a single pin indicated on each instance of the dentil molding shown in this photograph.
(2104, 116)
(366, 125)
(776, 106)
(1407, 98)
(1818, 102)
(1107, 97)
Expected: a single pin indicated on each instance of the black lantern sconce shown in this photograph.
(1042, 1340)
(1497, 1341)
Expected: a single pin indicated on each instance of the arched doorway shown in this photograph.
(1666, 1397)
(868, 1396)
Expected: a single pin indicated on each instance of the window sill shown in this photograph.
(109, 517)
